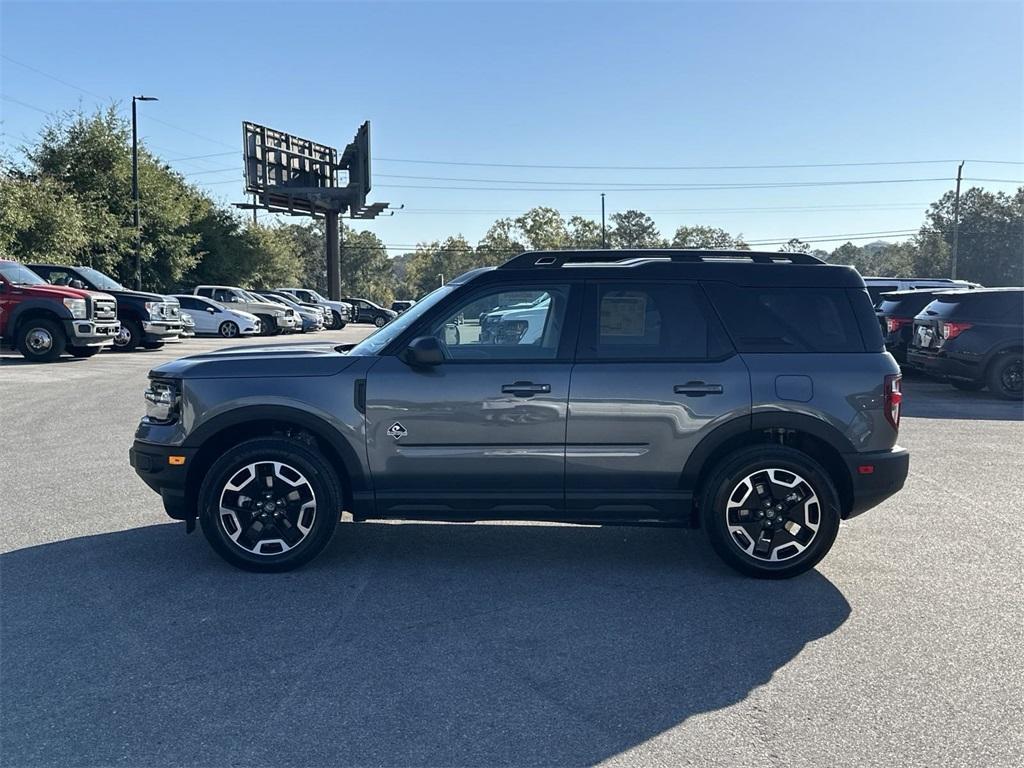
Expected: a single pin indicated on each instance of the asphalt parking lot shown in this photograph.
(125, 642)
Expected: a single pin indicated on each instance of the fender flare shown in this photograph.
(60, 313)
(754, 423)
(286, 414)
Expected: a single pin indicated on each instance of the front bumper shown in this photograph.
(875, 476)
(161, 330)
(153, 464)
(91, 333)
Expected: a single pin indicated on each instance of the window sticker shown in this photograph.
(623, 315)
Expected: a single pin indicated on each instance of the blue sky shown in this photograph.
(666, 84)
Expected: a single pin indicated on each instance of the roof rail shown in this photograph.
(638, 257)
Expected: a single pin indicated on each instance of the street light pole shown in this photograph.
(135, 191)
(441, 278)
(604, 239)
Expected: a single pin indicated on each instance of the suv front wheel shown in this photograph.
(771, 511)
(270, 504)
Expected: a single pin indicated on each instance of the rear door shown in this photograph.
(654, 375)
(482, 435)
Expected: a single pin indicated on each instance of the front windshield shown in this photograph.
(19, 274)
(251, 298)
(101, 281)
(379, 339)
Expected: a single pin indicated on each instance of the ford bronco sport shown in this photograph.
(745, 393)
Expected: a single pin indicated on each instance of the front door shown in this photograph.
(654, 375)
(481, 435)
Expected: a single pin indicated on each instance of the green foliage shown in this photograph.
(795, 245)
(707, 237)
(437, 262)
(40, 220)
(634, 229)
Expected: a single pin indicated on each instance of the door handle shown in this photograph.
(525, 389)
(697, 389)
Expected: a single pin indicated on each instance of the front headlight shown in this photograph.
(162, 401)
(153, 307)
(76, 307)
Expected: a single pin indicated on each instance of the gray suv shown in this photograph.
(745, 393)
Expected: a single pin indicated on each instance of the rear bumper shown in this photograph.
(152, 464)
(875, 477)
(940, 364)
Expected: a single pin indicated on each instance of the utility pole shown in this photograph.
(135, 191)
(440, 277)
(254, 209)
(956, 221)
(604, 238)
(333, 256)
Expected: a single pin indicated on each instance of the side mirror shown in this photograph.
(423, 352)
(211, 310)
(77, 284)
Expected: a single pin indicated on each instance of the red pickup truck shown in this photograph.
(43, 321)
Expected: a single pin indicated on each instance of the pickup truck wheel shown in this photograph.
(267, 325)
(1005, 376)
(84, 351)
(771, 511)
(41, 340)
(269, 504)
(129, 336)
(336, 322)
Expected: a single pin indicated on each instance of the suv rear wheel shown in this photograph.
(269, 504)
(1005, 376)
(771, 511)
(41, 340)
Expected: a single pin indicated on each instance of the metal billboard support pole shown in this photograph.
(333, 256)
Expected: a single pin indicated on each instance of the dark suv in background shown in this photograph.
(747, 393)
(147, 319)
(896, 312)
(365, 311)
(973, 339)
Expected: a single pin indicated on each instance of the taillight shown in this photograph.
(893, 324)
(893, 399)
(952, 330)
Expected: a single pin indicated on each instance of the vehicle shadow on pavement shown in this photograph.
(400, 645)
(926, 399)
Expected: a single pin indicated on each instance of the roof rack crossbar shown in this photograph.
(554, 259)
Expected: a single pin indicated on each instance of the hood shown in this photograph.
(61, 292)
(258, 307)
(143, 296)
(259, 361)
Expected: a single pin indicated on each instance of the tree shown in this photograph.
(634, 229)
(991, 244)
(503, 240)
(40, 219)
(543, 229)
(795, 245)
(706, 237)
(432, 262)
(366, 269)
(90, 156)
(584, 233)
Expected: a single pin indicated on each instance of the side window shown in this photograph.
(505, 323)
(188, 303)
(223, 295)
(649, 321)
(204, 292)
(58, 276)
(788, 319)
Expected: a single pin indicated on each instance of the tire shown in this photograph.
(289, 464)
(267, 326)
(336, 322)
(380, 321)
(791, 551)
(84, 351)
(1005, 376)
(41, 340)
(967, 386)
(128, 338)
(229, 329)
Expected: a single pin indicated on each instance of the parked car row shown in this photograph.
(972, 338)
(47, 310)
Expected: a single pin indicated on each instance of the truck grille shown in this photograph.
(104, 310)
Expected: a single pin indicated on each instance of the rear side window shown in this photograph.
(649, 321)
(788, 319)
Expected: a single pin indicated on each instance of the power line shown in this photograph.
(52, 77)
(25, 104)
(682, 167)
(677, 188)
